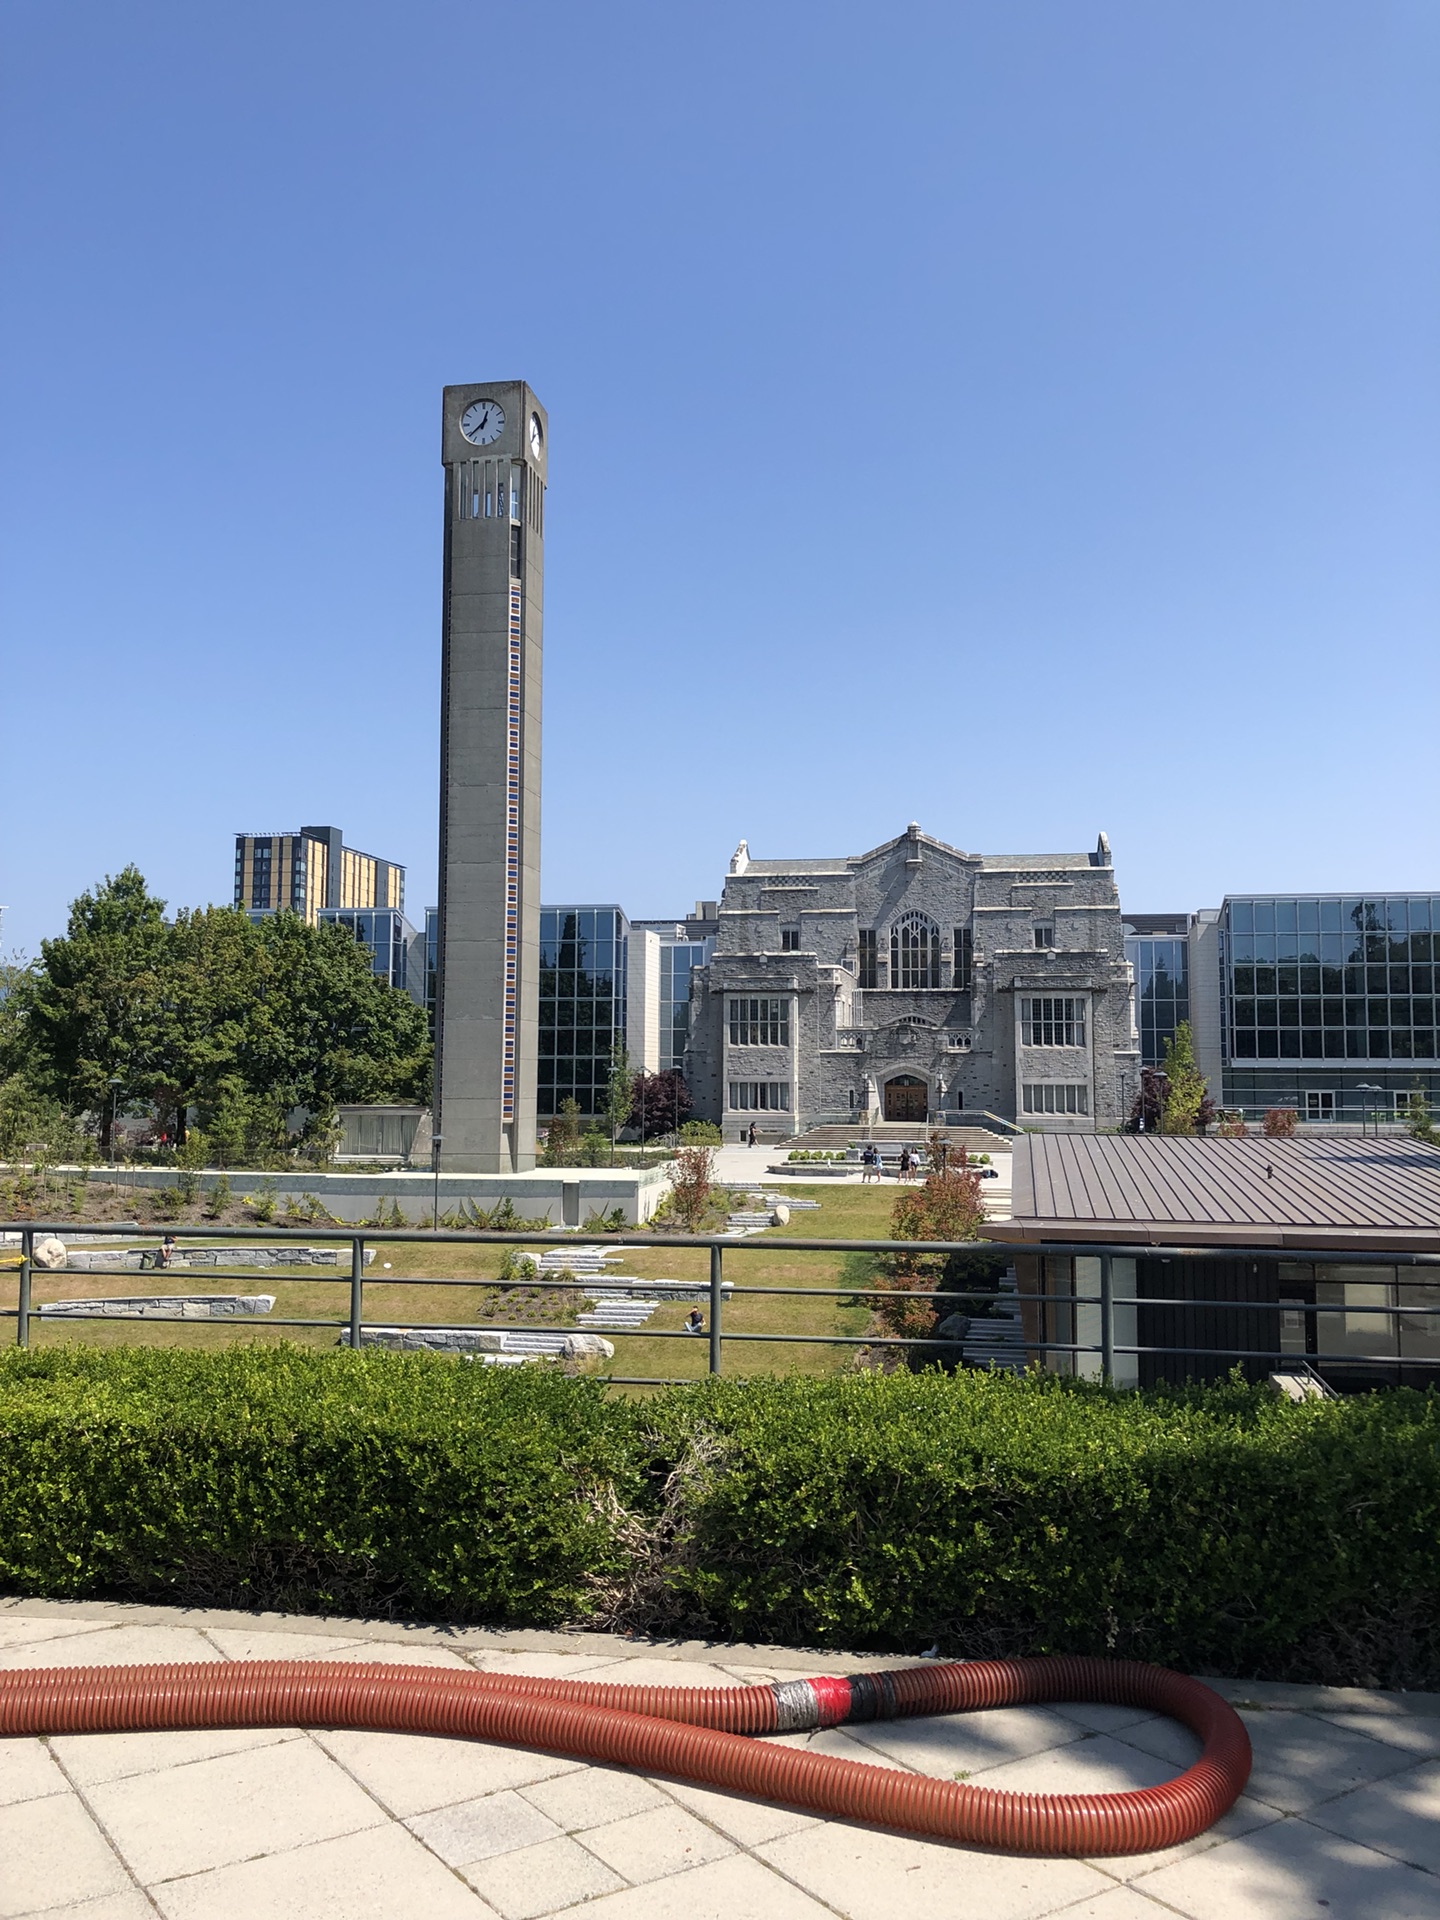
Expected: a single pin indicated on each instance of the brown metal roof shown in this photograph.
(1323, 1189)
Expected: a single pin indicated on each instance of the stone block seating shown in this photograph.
(189, 1306)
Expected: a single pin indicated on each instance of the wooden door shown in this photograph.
(906, 1098)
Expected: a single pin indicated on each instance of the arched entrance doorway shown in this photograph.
(906, 1098)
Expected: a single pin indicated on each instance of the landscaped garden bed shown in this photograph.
(1220, 1530)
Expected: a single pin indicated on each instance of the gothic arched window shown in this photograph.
(915, 952)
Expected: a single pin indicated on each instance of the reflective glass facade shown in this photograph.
(1162, 989)
(583, 954)
(385, 932)
(677, 961)
(1343, 986)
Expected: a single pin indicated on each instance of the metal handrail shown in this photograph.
(352, 1327)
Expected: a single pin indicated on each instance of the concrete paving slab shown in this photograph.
(543, 1879)
(52, 1854)
(383, 1874)
(1096, 1763)
(384, 1653)
(106, 1906)
(1291, 1869)
(1399, 1816)
(90, 1758)
(411, 1773)
(259, 1643)
(1297, 1767)
(27, 1772)
(215, 1812)
(594, 1796)
(739, 1888)
(965, 1743)
(479, 1829)
(1419, 1737)
(120, 1646)
(1121, 1903)
(20, 1632)
(650, 1846)
(869, 1875)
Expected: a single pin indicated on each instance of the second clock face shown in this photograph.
(483, 422)
(537, 435)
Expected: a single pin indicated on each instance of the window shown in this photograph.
(1052, 1023)
(1045, 1096)
(1319, 1105)
(760, 1023)
(964, 957)
(1044, 936)
(760, 1096)
(514, 553)
(915, 952)
(789, 939)
(867, 958)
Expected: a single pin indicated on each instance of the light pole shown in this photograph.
(1365, 1087)
(115, 1085)
(435, 1169)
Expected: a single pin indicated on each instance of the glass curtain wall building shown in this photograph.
(583, 961)
(1158, 948)
(1328, 1002)
(387, 934)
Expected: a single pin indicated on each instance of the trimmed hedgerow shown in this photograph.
(1219, 1529)
(357, 1483)
(1216, 1529)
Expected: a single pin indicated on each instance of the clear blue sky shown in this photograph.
(1021, 417)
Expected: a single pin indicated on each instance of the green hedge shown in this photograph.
(356, 1483)
(1220, 1530)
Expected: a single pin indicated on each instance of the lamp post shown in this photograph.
(115, 1084)
(435, 1144)
(1365, 1087)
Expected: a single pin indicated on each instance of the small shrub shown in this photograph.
(700, 1133)
(219, 1198)
(397, 1215)
(1279, 1122)
(1232, 1126)
(262, 1205)
(166, 1202)
(598, 1221)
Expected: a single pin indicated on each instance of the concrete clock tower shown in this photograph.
(494, 443)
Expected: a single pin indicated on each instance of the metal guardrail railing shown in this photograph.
(1108, 1348)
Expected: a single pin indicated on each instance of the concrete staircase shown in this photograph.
(998, 1340)
(898, 1133)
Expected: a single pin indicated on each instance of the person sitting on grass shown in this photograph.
(694, 1321)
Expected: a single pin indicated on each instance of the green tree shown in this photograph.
(239, 1022)
(85, 1024)
(1418, 1123)
(619, 1093)
(1188, 1107)
(562, 1140)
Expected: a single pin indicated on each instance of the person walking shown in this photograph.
(751, 1135)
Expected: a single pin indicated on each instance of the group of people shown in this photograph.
(872, 1167)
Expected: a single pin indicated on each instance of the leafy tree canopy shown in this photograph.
(241, 1022)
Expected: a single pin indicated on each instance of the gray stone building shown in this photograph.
(915, 983)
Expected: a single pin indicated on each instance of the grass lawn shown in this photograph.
(760, 1260)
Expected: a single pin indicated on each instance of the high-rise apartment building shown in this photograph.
(310, 869)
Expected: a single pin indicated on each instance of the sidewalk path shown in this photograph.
(1341, 1822)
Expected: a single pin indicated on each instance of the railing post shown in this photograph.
(22, 1318)
(357, 1288)
(716, 1298)
(1107, 1322)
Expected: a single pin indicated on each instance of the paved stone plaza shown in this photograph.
(1342, 1817)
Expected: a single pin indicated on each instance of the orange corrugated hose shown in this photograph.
(699, 1734)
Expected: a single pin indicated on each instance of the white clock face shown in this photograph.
(483, 422)
(537, 435)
